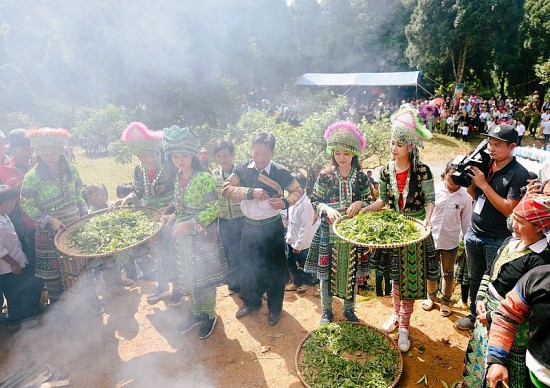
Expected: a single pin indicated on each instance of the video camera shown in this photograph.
(479, 158)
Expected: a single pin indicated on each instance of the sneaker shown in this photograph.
(96, 306)
(156, 295)
(403, 342)
(391, 324)
(465, 323)
(327, 317)
(350, 315)
(207, 326)
(126, 282)
(175, 299)
(188, 324)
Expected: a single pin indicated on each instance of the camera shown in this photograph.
(479, 158)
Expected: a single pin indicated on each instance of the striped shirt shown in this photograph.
(228, 209)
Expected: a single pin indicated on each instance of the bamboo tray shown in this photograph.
(300, 354)
(63, 244)
(424, 233)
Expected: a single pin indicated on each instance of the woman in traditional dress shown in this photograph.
(200, 261)
(406, 186)
(518, 255)
(341, 189)
(51, 195)
(154, 187)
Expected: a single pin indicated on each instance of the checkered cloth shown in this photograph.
(535, 209)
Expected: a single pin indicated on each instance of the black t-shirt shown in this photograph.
(507, 183)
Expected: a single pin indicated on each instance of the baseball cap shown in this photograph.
(504, 132)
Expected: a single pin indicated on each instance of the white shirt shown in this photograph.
(255, 209)
(465, 129)
(521, 130)
(9, 245)
(300, 226)
(452, 214)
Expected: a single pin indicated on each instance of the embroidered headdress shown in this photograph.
(182, 140)
(407, 127)
(141, 138)
(49, 140)
(345, 136)
(536, 210)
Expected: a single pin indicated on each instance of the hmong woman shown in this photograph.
(518, 255)
(342, 188)
(154, 187)
(406, 186)
(200, 261)
(52, 196)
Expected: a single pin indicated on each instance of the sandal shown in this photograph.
(445, 310)
(427, 304)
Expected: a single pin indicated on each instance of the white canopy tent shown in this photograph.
(403, 78)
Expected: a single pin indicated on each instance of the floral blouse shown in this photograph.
(42, 195)
(335, 191)
(160, 191)
(422, 193)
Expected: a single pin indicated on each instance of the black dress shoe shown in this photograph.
(244, 311)
(273, 318)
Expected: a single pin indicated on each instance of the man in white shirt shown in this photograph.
(450, 218)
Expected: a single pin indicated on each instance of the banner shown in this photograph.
(457, 96)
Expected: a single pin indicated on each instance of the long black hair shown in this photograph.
(333, 164)
(44, 171)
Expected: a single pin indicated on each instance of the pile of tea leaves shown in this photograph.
(112, 231)
(349, 355)
(381, 227)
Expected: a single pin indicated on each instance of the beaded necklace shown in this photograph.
(150, 187)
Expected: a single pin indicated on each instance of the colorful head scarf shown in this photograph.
(536, 210)
(49, 140)
(181, 140)
(142, 139)
(345, 136)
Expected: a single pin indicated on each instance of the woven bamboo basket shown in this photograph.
(62, 239)
(300, 355)
(424, 233)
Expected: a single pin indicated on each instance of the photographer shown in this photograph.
(496, 193)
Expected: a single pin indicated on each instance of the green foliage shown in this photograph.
(9, 121)
(106, 122)
(121, 151)
(378, 136)
(543, 72)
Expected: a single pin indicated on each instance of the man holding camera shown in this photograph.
(496, 192)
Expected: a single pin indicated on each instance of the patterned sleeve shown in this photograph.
(232, 189)
(207, 185)
(319, 191)
(384, 181)
(138, 182)
(427, 184)
(29, 196)
(363, 188)
(78, 189)
(511, 312)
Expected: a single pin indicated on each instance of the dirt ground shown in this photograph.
(134, 344)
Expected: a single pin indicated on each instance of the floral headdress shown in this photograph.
(182, 140)
(407, 127)
(345, 136)
(140, 138)
(49, 140)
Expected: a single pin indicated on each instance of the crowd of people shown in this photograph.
(252, 226)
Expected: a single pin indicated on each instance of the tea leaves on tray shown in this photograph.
(349, 355)
(382, 227)
(112, 231)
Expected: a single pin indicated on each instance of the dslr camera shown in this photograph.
(479, 158)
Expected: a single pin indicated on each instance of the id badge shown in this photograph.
(479, 205)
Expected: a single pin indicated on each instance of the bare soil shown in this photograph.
(134, 344)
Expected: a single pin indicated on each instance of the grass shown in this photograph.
(103, 170)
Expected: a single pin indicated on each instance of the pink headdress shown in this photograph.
(344, 135)
(142, 138)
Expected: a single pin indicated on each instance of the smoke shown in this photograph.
(119, 346)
